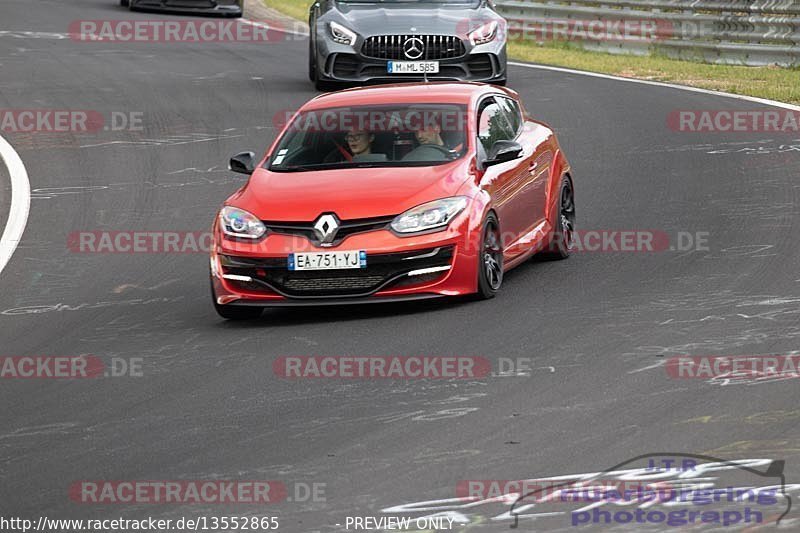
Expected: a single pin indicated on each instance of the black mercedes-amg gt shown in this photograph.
(230, 8)
(394, 40)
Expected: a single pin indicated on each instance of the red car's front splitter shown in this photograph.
(229, 256)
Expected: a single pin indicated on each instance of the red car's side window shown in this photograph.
(492, 125)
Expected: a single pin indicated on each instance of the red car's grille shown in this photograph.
(346, 228)
(335, 284)
(382, 271)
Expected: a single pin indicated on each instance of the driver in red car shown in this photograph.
(430, 134)
(432, 146)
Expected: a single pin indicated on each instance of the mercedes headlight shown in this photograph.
(484, 34)
(433, 215)
(239, 223)
(342, 35)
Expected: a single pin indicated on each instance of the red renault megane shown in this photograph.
(392, 193)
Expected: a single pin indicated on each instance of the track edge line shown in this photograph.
(711, 92)
(20, 202)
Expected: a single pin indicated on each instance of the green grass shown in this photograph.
(775, 83)
(297, 9)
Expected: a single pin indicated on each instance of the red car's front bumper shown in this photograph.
(246, 273)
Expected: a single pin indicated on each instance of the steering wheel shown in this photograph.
(444, 149)
(432, 151)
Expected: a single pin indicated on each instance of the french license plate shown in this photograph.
(328, 260)
(413, 67)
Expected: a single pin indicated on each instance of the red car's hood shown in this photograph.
(350, 193)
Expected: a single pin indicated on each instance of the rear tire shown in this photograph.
(124, 3)
(490, 259)
(562, 242)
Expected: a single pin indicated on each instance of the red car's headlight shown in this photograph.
(429, 216)
(239, 223)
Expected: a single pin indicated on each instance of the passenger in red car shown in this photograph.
(360, 142)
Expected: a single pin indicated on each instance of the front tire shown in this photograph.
(124, 3)
(312, 60)
(490, 259)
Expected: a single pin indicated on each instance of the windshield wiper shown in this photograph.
(302, 168)
(359, 164)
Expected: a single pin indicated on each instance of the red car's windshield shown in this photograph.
(372, 136)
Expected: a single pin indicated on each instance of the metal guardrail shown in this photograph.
(744, 32)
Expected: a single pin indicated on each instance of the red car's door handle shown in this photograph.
(534, 165)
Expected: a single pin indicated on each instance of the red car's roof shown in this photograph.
(435, 92)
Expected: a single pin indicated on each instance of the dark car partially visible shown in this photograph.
(229, 8)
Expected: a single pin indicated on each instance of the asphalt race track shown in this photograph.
(206, 403)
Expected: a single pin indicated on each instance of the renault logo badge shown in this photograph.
(325, 228)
